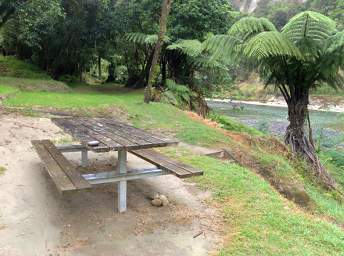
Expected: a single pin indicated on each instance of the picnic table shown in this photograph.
(104, 135)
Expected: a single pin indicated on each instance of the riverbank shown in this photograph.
(315, 104)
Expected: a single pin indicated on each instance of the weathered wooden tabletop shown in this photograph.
(111, 134)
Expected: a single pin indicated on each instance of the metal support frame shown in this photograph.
(84, 158)
(122, 185)
(70, 148)
(75, 148)
(120, 176)
(114, 177)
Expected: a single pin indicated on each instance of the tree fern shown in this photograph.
(223, 47)
(270, 44)
(309, 52)
(228, 46)
(250, 26)
(335, 43)
(191, 48)
(309, 25)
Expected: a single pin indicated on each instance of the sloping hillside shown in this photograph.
(25, 76)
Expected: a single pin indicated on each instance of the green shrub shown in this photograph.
(177, 94)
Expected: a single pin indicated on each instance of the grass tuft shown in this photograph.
(2, 170)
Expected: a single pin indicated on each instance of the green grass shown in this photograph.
(25, 76)
(228, 123)
(259, 221)
(26, 84)
(5, 90)
(2, 170)
(12, 67)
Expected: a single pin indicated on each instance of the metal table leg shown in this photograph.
(84, 158)
(122, 185)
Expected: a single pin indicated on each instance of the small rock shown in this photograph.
(156, 202)
(164, 200)
(152, 196)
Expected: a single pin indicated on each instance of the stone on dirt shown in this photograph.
(159, 200)
(156, 202)
(164, 200)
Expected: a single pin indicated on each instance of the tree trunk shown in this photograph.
(154, 70)
(164, 71)
(300, 143)
(99, 66)
(111, 73)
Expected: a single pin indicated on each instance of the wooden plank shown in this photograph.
(112, 140)
(155, 158)
(129, 139)
(79, 133)
(186, 167)
(56, 173)
(139, 132)
(189, 168)
(134, 131)
(76, 178)
(149, 153)
(112, 134)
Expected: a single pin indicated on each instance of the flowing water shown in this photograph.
(328, 126)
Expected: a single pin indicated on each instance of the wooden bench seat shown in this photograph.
(62, 172)
(165, 163)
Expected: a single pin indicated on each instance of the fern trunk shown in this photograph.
(298, 140)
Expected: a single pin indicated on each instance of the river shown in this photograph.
(328, 126)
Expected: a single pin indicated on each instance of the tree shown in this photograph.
(185, 58)
(195, 19)
(8, 9)
(154, 70)
(307, 53)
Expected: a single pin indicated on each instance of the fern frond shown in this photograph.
(230, 46)
(223, 47)
(270, 44)
(143, 39)
(191, 48)
(205, 62)
(332, 61)
(250, 26)
(335, 43)
(309, 26)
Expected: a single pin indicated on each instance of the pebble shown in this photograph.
(159, 200)
(156, 202)
(164, 200)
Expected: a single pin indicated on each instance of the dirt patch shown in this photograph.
(36, 220)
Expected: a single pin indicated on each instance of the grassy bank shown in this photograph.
(259, 221)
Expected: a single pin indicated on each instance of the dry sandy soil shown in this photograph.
(35, 220)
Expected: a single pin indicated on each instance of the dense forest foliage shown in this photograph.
(71, 38)
(114, 40)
